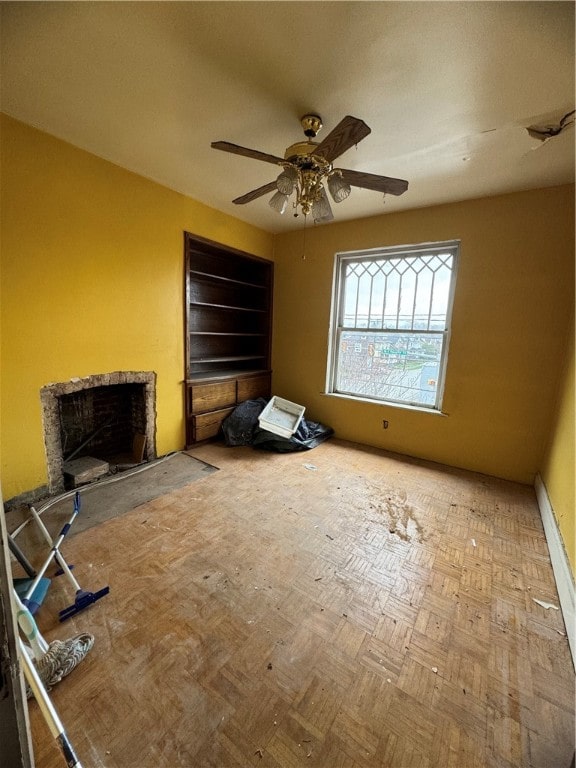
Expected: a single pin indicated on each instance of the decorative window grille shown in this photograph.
(391, 324)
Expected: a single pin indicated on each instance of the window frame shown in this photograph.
(341, 260)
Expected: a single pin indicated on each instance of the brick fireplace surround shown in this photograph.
(50, 395)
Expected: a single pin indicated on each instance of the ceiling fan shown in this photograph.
(307, 166)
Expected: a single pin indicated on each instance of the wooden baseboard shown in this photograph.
(560, 564)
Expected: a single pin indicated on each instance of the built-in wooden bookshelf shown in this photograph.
(228, 329)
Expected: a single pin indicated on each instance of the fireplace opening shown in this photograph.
(102, 422)
(98, 424)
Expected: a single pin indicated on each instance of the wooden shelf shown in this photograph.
(227, 373)
(226, 306)
(228, 327)
(207, 276)
(226, 359)
(224, 333)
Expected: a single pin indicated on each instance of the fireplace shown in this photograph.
(97, 416)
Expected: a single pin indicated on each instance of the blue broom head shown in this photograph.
(83, 600)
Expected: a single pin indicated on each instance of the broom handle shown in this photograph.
(39, 576)
(66, 568)
(47, 708)
(28, 626)
(55, 547)
(65, 529)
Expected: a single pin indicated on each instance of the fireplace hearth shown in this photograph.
(97, 416)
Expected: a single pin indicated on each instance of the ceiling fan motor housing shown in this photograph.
(311, 125)
(302, 149)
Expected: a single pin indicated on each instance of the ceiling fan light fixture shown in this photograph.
(278, 202)
(339, 189)
(321, 210)
(287, 180)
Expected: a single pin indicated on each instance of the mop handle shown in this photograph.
(55, 553)
(65, 528)
(29, 627)
(41, 525)
(47, 708)
(39, 575)
(68, 525)
(63, 533)
(66, 569)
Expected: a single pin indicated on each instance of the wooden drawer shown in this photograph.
(209, 397)
(208, 424)
(253, 387)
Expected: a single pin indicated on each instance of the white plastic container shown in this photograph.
(281, 417)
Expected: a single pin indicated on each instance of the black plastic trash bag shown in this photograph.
(240, 426)
(243, 428)
(308, 435)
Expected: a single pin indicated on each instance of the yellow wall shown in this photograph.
(92, 261)
(512, 305)
(92, 282)
(558, 467)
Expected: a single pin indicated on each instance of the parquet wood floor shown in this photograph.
(340, 608)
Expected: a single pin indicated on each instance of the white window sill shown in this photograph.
(385, 404)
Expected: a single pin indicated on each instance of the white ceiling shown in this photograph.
(446, 87)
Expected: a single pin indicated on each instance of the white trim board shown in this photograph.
(560, 565)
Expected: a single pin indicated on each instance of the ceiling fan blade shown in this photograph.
(384, 184)
(226, 146)
(349, 131)
(249, 196)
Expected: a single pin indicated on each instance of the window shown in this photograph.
(391, 323)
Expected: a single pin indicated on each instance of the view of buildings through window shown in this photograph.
(392, 323)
